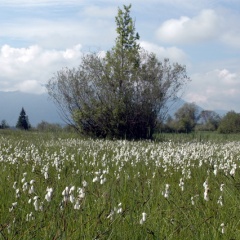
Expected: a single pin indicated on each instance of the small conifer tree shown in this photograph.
(23, 122)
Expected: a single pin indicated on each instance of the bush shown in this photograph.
(51, 127)
(230, 123)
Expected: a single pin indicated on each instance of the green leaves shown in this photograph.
(127, 38)
(120, 95)
(230, 123)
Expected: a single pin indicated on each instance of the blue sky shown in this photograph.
(39, 37)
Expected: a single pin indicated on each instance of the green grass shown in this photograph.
(200, 136)
(134, 177)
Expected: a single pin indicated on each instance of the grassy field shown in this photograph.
(58, 186)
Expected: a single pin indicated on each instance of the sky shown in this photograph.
(40, 37)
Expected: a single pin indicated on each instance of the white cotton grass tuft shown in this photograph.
(24, 177)
(77, 205)
(110, 216)
(71, 198)
(31, 190)
(143, 219)
(84, 183)
(29, 217)
(36, 203)
(167, 191)
(221, 187)
(233, 170)
(103, 180)
(15, 185)
(205, 195)
(48, 196)
(65, 194)
(32, 181)
(116, 210)
(119, 210)
(46, 175)
(205, 184)
(193, 199)
(72, 189)
(14, 205)
(96, 179)
(206, 190)
(181, 184)
(25, 186)
(222, 228)
(220, 201)
(215, 169)
(81, 193)
(17, 194)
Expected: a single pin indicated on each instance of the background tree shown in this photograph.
(121, 95)
(48, 127)
(23, 122)
(4, 124)
(186, 118)
(208, 121)
(230, 123)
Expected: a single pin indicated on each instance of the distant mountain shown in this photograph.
(221, 113)
(37, 107)
(173, 107)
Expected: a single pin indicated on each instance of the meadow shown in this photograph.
(60, 186)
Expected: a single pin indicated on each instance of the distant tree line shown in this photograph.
(188, 118)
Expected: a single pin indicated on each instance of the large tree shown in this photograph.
(23, 122)
(120, 95)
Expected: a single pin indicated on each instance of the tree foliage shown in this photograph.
(230, 123)
(4, 124)
(120, 95)
(208, 121)
(23, 122)
(185, 119)
(44, 126)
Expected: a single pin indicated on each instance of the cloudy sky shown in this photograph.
(39, 37)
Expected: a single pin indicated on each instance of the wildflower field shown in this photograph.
(55, 186)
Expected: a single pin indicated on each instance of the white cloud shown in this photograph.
(203, 27)
(228, 77)
(30, 3)
(232, 38)
(173, 53)
(217, 89)
(100, 12)
(61, 33)
(30, 86)
(28, 69)
(209, 25)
